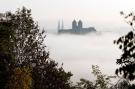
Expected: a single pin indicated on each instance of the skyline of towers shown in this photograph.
(77, 28)
(75, 25)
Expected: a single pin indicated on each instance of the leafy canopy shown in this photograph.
(127, 45)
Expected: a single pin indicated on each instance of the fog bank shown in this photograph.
(79, 52)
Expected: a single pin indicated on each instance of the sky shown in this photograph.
(98, 13)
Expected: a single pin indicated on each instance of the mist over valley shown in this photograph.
(79, 52)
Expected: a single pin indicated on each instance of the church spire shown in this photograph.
(62, 26)
(58, 25)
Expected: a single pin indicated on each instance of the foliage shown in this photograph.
(28, 39)
(29, 52)
(51, 77)
(21, 79)
(101, 82)
(132, 86)
(85, 84)
(6, 50)
(127, 45)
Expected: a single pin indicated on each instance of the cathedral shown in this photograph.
(77, 28)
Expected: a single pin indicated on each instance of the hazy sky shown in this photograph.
(94, 12)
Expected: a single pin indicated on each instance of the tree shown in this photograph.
(29, 52)
(6, 50)
(101, 82)
(85, 84)
(127, 45)
(132, 86)
(51, 77)
(21, 79)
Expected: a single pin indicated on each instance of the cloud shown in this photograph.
(79, 52)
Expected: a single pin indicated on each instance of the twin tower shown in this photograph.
(77, 26)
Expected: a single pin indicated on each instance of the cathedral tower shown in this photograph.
(80, 25)
(74, 25)
(58, 25)
(62, 26)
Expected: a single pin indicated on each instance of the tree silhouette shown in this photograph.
(29, 53)
(101, 82)
(127, 45)
(6, 49)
